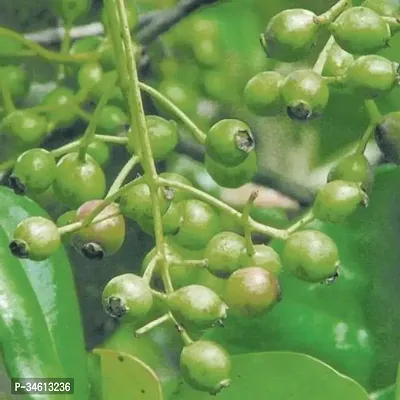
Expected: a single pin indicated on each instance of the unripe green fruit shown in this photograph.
(171, 220)
(372, 75)
(262, 93)
(25, 127)
(112, 120)
(101, 238)
(97, 89)
(223, 252)
(353, 168)
(207, 52)
(338, 61)
(232, 177)
(251, 292)
(387, 135)
(178, 194)
(290, 35)
(360, 30)
(36, 238)
(205, 366)
(99, 151)
(196, 307)
(16, 80)
(264, 256)
(127, 296)
(85, 45)
(63, 99)
(305, 94)
(163, 136)
(67, 218)
(135, 203)
(311, 256)
(387, 8)
(229, 142)
(34, 172)
(199, 224)
(337, 200)
(89, 75)
(78, 181)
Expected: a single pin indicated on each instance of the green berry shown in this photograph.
(372, 75)
(207, 52)
(99, 151)
(35, 238)
(353, 168)
(198, 225)
(387, 135)
(63, 99)
(101, 238)
(85, 45)
(337, 200)
(97, 89)
(387, 8)
(264, 256)
(171, 220)
(67, 218)
(127, 296)
(16, 80)
(135, 203)
(78, 181)
(229, 142)
(112, 120)
(89, 75)
(311, 256)
(232, 177)
(305, 94)
(251, 292)
(290, 35)
(34, 172)
(70, 10)
(205, 366)
(360, 30)
(25, 127)
(337, 62)
(196, 307)
(223, 252)
(163, 137)
(262, 93)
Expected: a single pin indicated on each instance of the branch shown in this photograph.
(149, 27)
(272, 179)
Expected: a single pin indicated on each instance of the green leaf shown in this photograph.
(398, 384)
(159, 349)
(41, 334)
(124, 377)
(282, 375)
(384, 394)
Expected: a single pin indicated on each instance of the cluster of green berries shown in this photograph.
(214, 272)
(358, 32)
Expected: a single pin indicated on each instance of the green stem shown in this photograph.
(130, 84)
(47, 54)
(375, 115)
(151, 325)
(148, 273)
(112, 139)
(330, 15)
(362, 144)
(65, 45)
(246, 225)
(108, 200)
(397, 396)
(88, 136)
(184, 335)
(255, 226)
(323, 56)
(65, 149)
(75, 226)
(126, 169)
(308, 217)
(7, 100)
(196, 131)
(394, 23)
(192, 263)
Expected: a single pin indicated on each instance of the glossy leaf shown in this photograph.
(46, 297)
(124, 377)
(282, 375)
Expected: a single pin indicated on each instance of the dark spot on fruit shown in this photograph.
(120, 358)
(244, 141)
(115, 307)
(19, 249)
(92, 251)
(299, 112)
(16, 184)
